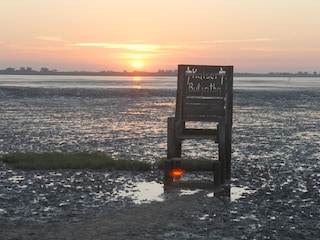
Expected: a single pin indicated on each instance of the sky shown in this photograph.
(125, 35)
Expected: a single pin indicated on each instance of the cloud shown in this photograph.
(241, 40)
(51, 39)
(312, 49)
(261, 49)
(162, 49)
(149, 47)
(135, 46)
(139, 56)
(292, 49)
(127, 46)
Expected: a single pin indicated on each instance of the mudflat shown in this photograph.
(275, 158)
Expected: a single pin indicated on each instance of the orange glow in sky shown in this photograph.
(97, 35)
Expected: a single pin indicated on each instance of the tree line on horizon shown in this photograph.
(47, 71)
(160, 72)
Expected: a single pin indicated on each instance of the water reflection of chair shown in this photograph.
(206, 189)
(204, 95)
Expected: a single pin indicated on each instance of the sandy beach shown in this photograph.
(275, 166)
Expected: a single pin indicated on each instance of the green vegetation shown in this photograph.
(82, 160)
(92, 160)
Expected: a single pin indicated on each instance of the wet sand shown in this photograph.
(275, 161)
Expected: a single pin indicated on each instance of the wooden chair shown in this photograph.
(204, 94)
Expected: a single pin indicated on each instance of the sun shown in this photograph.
(137, 64)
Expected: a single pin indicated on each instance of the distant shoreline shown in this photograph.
(160, 73)
(82, 73)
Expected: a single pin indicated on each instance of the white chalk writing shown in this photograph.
(211, 84)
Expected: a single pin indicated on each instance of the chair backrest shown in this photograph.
(204, 93)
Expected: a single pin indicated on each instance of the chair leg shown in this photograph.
(228, 152)
(217, 173)
(173, 145)
(222, 150)
(168, 180)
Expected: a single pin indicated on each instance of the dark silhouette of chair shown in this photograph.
(205, 95)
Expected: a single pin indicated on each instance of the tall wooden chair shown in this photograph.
(204, 94)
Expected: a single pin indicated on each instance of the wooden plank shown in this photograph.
(217, 173)
(205, 100)
(203, 107)
(198, 87)
(202, 118)
(168, 180)
(203, 110)
(222, 150)
(180, 93)
(197, 137)
(202, 80)
(196, 131)
(229, 107)
(210, 104)
(210, 134)
(173, 145)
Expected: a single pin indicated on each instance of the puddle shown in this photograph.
(144, 192)
(234, 193)
(188, 192)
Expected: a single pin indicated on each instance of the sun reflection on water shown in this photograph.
(137, 82)
(137, 78)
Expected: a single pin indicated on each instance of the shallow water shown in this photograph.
(149, 82)
(275, 147)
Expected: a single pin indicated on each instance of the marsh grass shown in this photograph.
(82, 160)
(92, 160)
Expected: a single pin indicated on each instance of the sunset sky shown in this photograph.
(97, 35)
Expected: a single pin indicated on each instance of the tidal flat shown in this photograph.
(275, 166)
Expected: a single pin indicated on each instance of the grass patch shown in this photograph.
(191, 164)
(82, 160)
